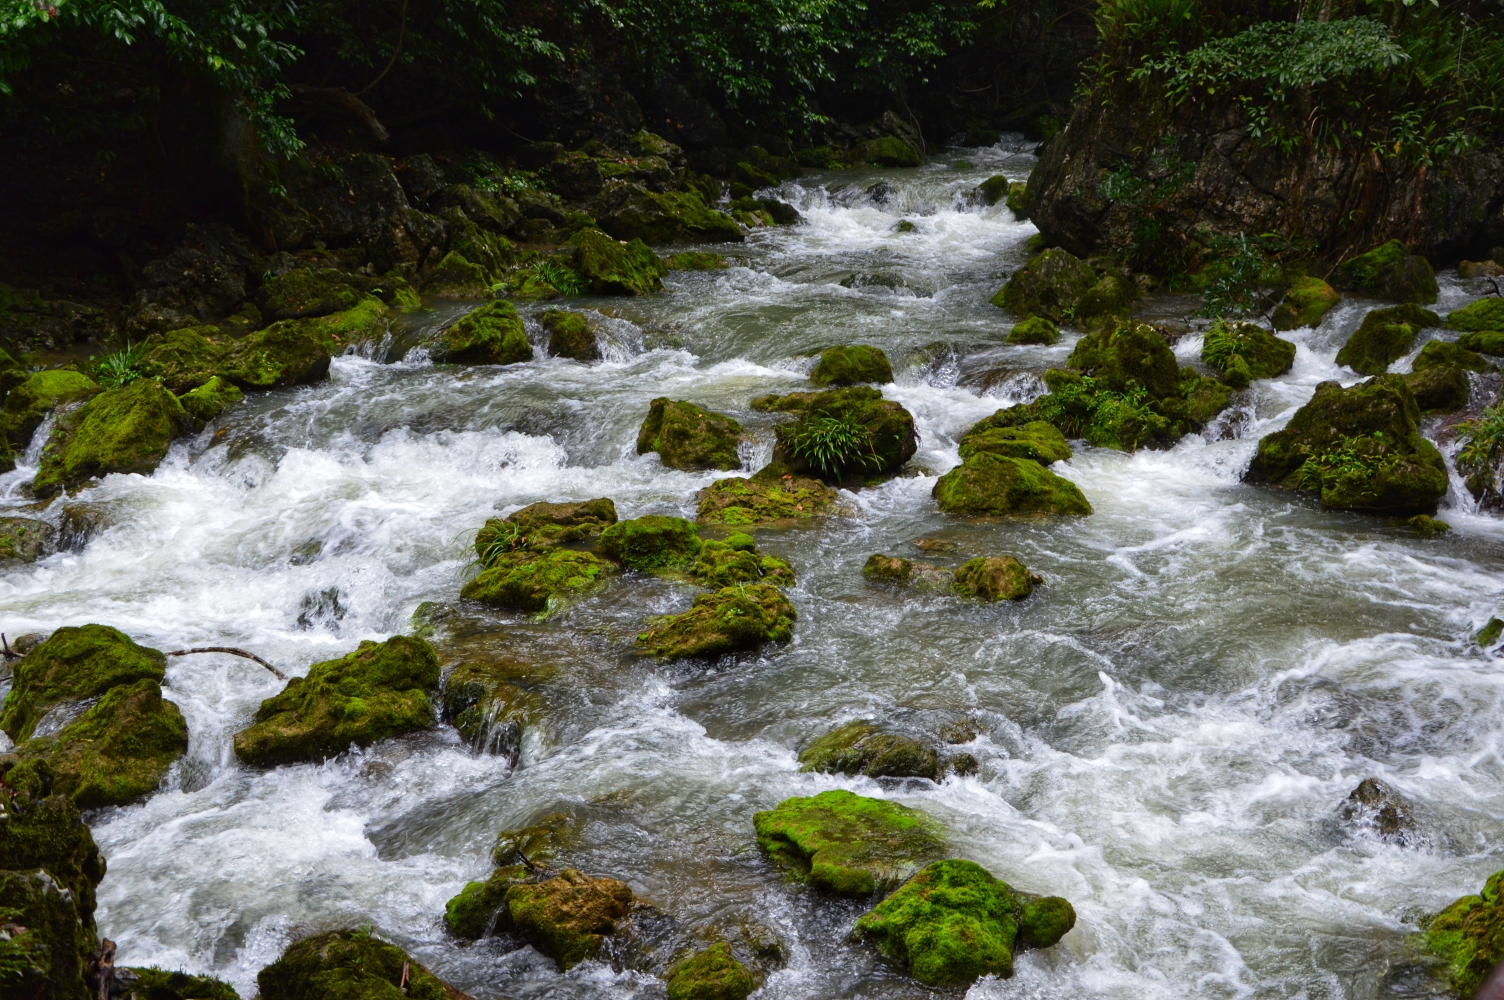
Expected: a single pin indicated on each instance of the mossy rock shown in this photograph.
(1385, 336)
(568, 917)
(607, 267)
(456, 277)
(763, 500)
(697, 260)
(736, 561)
(303, 293)
(349, 965)
(24, 539)
(1306, 301)
(46, 831)
(667, 217)
(1441, 352)
(1388, 272)
(1050, 285)
(1489, 633)
(166, 984)
(1468, 937)
(117, 752)
(1484, 314)
(1357, 449)
(863, 748)
(538, 580)
(483, 700)
(480, 909)
(687, 436)
(545, 523)
(713, 974)
(654, 543)
(1034, 330)
(378, 691)
(729, 620)
(1258, 353)
(888, 151)
(848, 844)
(295, 351)
(395, 291)
(1489, 342)
(1439, 388)
(1426, 526)
(854, 365)
(998, 485)
(886, 569)
(12, 372)
(46, 949)
(209, 400)
(1036, 440)
(1018, 199)
(180, 359)
(994, 578)
(994, 189)
(120, 430)
(1129, 354)
(74, 663)
(953, 923)
(1107, 303)
(28, 404)
(491, 335)
(569, 336)
(880, 435)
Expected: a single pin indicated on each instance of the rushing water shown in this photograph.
(1166, 729)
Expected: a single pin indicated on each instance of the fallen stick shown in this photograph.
(233, 652)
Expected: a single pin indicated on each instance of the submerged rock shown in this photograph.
(1034, 330)
(994, 578)
(1375, 806)
(652, 543)
(349, 965)
(881, 568)
(726, 621)
(28, 404)
(1426, 526)
(1388, 272)
(863, 748)
(736, 561)
(686, 436)
(607, 267)
(569, 336)
(537, 580)
(1385, 336)
(763, 499)
(1050, 285)
(24, 539)
(120, 430)
(713, 974)
(73, 664)
(1305, 303)
(209, 400)
(491, 335)
(998, 485)
(1468, 937)
(1037, 440)
(378, 691)
(954, 922)
(567, 917)
(697, 260)
(847, 432)
(853, 365)
(847, 843)
(1241, 352)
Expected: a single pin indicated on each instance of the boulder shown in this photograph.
(486, 701)
(480, 909)
(1018, 199)
(180, 359)
(1468, 937)
(1306, 301)
(887, 151)
(1439, 388)
(1357, 449)
(993, 190)
(166, 984)
(863, 748)
(1108, 303)
(379, 690)
(296, 351)
(1036, 440)
(607, 267)
(729, 620)
(569, 336)
(1050, 285)
(120, 430)
(1034, 330)
(631, 212)
(713, 974)
(491, 335)
(998, 485)
(1426, 526)
(303, 292)
(771, 499)
(847, 432)
(1385, 336)
(994, 578)
(568, 916)
(27, 404)
(1484, 314)
(697, 260)
(685, 436)
(1375, 806)
(209, 400)
(953, 923)
(1441, 352)
(737, 561)
(852, 365)
(24, 539)
(1127, 355)
(455, 276)
(538, 580)
(1388, 272)
(543, 524)
(45, 949)
(1489, 342)
(653, 543)
(1469, 270)
(73, 664)
(881, 568)
(848, 844)
(1240, 352)
(349, 965)
(47, 832)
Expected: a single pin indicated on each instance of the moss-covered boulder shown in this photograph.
(713, 974)
(1490, 342)
(1018, 199)
(290, 352)
(994, 578)
(1439, 388)
(455, 276)
(631, 212)
(120, 430)
(607, 267)
(863, 748)
(1240, 352)
(1484, 314)
(1002, 486)
(697, 260)
(304, 292)
(1107, 303)
(349, 965)
(1442, 352)
(569, 336)
(842, 433)
(881, 568)
(1385, 336)
(1050, 285)
(1357, 449)
(847, 843)
(24, 539)
(887, 151)
(993, 190)
(167, 984)
(544, 524)
(538, 580)
(954, 922)
(1037, 440)
(73, 664)
(1388, 272)
(490, 701)
(729, 620)
(1468, 936)
(568, 917)
(209, 400)
(770, 499)
(1490, 632)
(180, 359)
(1034, 330)
(491, 335)
(1306, 301)
(654, 543)
(687, 436)
(46, 831)
(853, 365)
(480, 909)
(44, 948)
(28, 404)
(1127, 355)
(735, 561)
(379, 690)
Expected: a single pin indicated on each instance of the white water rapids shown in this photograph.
(1166, 729)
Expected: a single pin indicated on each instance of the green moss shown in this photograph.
(727, 621)
(1050, 285)
(1107, 303)
(73, 664)
(12, 372)
(611, 268)
(888, 569)
(455, 277)
(1306, 301)
(46, 831)
(1469, 937)
(994, 189)
(538, 842)
(347, 965)
(569, 336)
(538, 581)
(994, 578)
(294, 351)
(1385, 336)
(652, 543)
(28, 403)
(118, 751)
(44, 949)
(736, 561)
(861, 748)
(889, 151)
(302, 292)
(1439, 388)
(491, 335)
(379, 690)
(163, 984)
(543, 524)
(1483, 342)
(1426, 526)
(669, 217)
(697, 260)
(1034, 330)
(763, 500)
(1441, 352)
(1389, 272)
(1129, 354)
(23, 539)
(120, 430)
(397, 293)
(180, 359)
(989, 484)
(1485, 314)
(567, 917)
(1261, 354)
(686, 436)
(852, 365)
(1489, 633)
(209, 400)
(1018, 199)
(846, 843)
(1036, 440)
(713, 974)
(846, 432)
(481, 907)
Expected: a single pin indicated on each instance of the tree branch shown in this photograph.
(233, 652)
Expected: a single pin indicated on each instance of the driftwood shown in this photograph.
(233, 652)
(343, 99)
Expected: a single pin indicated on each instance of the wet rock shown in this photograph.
(1388, 272)
(653, 543)
(28, 404)
(1490, 342)
(1489, 633)
(697, 260)
(537, 580)
(727, 621)
(485, 701)
(989, 484)
(1426, 526)
(993, 190)
(847, 432)
(1018, 199)
(686, 436)
(632, 212)
(74, 663)
(1441, 352)
(378, 691)
(349, 965)
(165, 984)
(297, 351)
(1484, 314)
(1469, 270)
(862, 748)
(607, 267)
(771, 499)
(1050, 285)
(848, 844)
(1468, 937)
(24, 540)
(713, 974)
(1107, 303)
(209, 400)
(45, 831)
(994, 578)
(737, 561)
(480, 909)
(1130, 353)
(44, 947)
(1385, 336)
(852, 365)
(1440, 388)
(1375, 806)
(1036, 440)
(303, 293)
(954, 922)
(543, 524)
(537, 843)
(1357, 449)
(1034, 330)
(567, 917)
(569, 336)
(887, 151)
(181, 359)
(491, 335)
(1241, 352)
(456, 277)
(204, 277)
(1306, 301)
(881, 568)
(126, 430)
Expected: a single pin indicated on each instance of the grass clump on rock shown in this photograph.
(713, 974)
(654, 543)
(686, 436)
(1241, 352)
(120, 430)
(729, 620)
(842, 433)
(848, 844)
(348, 965)
(853, 365)
(491, 335)
(1469, 936)
(524, 567)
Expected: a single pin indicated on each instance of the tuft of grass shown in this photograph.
(120, 368)
(830, 444)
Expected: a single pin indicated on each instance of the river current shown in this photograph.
(1166, 729)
